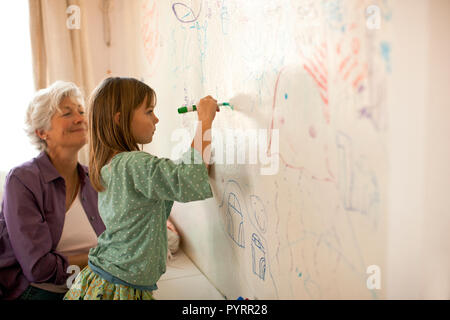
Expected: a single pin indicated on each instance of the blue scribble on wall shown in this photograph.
(185, 14)
(225, 18)
(386, 54)
(334, 14)
(312, 288)
(358, 186)
(235, 220)
(258, 257)
(259, 212)
(387, 10)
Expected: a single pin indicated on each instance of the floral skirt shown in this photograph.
(90, 286)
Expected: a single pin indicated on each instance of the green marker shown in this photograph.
(185, 109)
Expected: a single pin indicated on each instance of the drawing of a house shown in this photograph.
(235, 220)
(259, 257)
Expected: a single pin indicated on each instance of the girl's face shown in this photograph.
(143, 123)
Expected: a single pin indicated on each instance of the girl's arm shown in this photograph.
(206, 112)
(202, 141)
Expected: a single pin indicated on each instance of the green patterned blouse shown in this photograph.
(139, 195)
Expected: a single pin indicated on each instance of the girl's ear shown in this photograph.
(116, 118)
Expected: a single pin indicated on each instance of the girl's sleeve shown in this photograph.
(30, 235)
(183, 180)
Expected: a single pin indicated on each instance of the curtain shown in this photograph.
(60, 47)
(60, 52)
(107, 42)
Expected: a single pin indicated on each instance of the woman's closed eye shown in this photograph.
(70, 113)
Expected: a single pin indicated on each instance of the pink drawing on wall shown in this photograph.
(316, 67)
(150, 32)
(351, 69)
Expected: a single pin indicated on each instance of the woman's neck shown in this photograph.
(65, 162)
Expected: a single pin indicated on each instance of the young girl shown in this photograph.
(136, 190)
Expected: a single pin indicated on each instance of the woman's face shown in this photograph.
(143, 123)
(68, 127)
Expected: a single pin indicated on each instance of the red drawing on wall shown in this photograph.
(350, 69)
(316, 67)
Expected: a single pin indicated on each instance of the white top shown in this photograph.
(77, 237)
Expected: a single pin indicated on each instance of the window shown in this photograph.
(16, 83)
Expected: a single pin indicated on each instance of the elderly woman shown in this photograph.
(49, 218)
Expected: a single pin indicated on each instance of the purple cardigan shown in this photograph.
(31, 223)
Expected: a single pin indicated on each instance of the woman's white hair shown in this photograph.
(44, 105)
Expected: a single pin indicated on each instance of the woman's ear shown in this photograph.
(41, 134)
(116, 118)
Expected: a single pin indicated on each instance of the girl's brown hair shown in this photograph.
(107, 138)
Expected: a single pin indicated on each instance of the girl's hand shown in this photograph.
(206, 109)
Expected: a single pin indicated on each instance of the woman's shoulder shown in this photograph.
(27, 169)
(26, 175)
